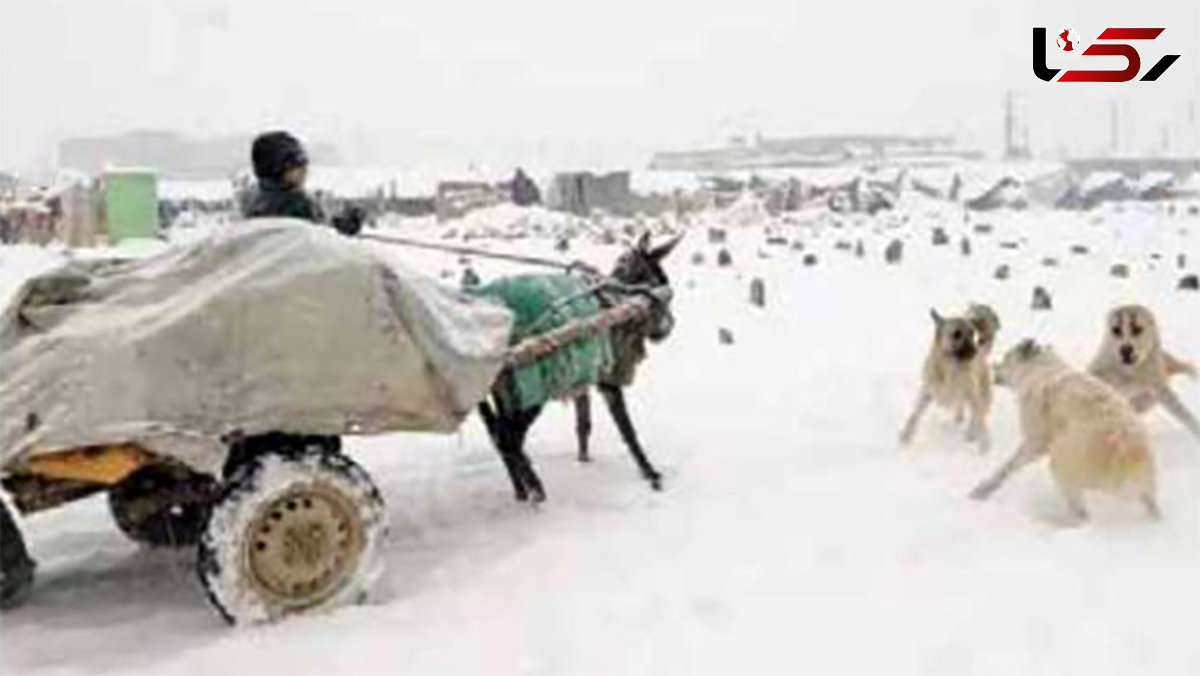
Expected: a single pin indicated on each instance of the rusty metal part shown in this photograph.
(52, 479)
(32, 493)
(302, 545)
(104, 465)
(164, 504)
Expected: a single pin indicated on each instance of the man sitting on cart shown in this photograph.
(281, 167)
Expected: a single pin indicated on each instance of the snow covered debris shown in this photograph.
(794, 536)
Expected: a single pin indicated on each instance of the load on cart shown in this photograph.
(206, 391)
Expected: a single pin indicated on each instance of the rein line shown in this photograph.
(482, 253)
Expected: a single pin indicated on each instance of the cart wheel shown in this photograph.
(16, 568)
(163, 505)
(293, 531)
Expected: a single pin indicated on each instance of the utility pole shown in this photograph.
(1114, 131)
(1009, 127)
(1192, 129)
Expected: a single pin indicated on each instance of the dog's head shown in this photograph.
(1131, 334)
(987, 323)
(1018, 362)
(955, 337)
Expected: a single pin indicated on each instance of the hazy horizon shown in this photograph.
(544, 83)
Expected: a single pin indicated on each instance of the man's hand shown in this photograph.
(350, 221)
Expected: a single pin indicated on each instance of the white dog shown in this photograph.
(1093, 437)
(1133, 361)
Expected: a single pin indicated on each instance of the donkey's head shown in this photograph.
(641, 266)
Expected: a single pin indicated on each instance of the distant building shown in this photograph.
(171, 154)
(8, 185)
(814, 151)
(582, 192)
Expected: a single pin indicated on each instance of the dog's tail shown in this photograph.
(1175, 366)
(1128, 460)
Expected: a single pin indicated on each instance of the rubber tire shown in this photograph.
(172, 524)
(220, 560)
(16, 568)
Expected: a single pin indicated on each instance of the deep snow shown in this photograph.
(794, 534)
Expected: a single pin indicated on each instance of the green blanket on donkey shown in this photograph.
(541, 303)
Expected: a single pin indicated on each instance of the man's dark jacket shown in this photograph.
(274, 199)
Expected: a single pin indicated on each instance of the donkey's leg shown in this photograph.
(521, 422)
(490, 422)
(615, 398)
(499, 430)
(583, 424)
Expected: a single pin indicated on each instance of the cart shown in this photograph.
(206, 391)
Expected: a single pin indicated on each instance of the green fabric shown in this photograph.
(131, 205)
(542, 303)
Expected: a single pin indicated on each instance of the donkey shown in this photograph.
(640, 266)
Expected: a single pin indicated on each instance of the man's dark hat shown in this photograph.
(274, 153)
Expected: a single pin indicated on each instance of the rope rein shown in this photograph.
(482, 253)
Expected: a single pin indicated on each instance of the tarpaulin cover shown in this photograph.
(270, 325)
(541, 303)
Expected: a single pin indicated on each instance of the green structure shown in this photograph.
(541, 303)
(130, 204)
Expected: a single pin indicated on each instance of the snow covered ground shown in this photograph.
(794, 535)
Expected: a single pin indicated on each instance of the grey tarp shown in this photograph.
(268, 325)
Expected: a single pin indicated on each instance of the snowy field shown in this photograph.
(794, 534)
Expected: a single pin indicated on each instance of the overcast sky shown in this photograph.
(554, 82)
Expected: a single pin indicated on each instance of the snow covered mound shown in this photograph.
(793, 535)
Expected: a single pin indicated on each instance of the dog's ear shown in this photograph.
(984, 316)
(981, 325)
(1028, 349)
(937, 319)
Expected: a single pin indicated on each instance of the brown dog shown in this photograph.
(1093, 437)
(1133, 361)
(956, 374)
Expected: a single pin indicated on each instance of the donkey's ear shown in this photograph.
(643, 242)
(937, 319)
(663, 250)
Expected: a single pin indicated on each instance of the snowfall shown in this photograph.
(794, 534)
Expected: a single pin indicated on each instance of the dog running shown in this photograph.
(1133, 361)
(956, 374)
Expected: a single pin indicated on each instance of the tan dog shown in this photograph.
(1132, 360)
(956, 374)
(1093, 437)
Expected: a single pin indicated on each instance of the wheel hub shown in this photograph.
(302, 545)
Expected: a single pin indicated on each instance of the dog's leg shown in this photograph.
(1177, 409)
(1151, 507)
(615, 399)
(977, 429)
(583, 424)
(960, 414)
(910, 427)
(1147, 489)
(1176, 366)
(1026, 454)
(1074, 497)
